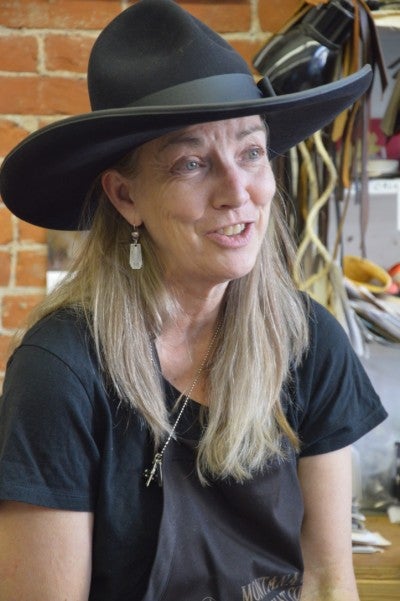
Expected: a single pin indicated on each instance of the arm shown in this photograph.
(45, 554)
(326, 532)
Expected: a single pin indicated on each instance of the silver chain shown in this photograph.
(156, 467)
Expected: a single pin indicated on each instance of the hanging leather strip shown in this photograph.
(367, 27)
(375, 56)
(356, 38)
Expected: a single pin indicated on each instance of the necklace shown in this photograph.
(156, 468)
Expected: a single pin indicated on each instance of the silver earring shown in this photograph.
(135, 251)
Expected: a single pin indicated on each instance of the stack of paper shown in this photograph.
(380, 316)
(363, 540)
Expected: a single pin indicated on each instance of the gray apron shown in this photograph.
(227, 541)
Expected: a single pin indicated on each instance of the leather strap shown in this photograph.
(356, 38)
(340, 122)
(375, 50)
(390, 124)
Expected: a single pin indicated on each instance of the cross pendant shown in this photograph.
(155, 471)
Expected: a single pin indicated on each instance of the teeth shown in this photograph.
(232, 230)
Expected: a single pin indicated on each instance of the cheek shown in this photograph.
(175, 216)
(170, 219)
(270, 183)
(173, 209)
(266, 188)
(266, 216)
(265, 199)
(264, 204)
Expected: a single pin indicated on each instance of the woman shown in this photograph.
(176, 421)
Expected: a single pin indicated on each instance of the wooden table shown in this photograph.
(378, 574)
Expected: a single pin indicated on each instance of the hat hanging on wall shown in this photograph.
(154, 69)
(305, 55)
(321, 44)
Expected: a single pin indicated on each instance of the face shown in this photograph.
(204, 195)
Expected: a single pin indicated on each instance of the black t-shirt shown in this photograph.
(66, 442)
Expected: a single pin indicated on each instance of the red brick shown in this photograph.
(43, 95)
(58, 14)
(67, 53)
(18, 53)
(5, 349)
(275, 13)
(16, 309)
(10, 134)
(5, 268)
(6, 229)
(225, 16)
(31, 268)
(31, 233)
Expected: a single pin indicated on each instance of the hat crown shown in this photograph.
(153, 70)
(152, 46)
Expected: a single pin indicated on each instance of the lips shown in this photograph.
(232, 236)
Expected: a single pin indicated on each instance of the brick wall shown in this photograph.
(44, 46)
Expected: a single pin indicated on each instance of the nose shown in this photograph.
(231, 187)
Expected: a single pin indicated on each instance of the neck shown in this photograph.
(196, 314)
(185, 341)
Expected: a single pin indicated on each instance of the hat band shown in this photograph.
(231, 87)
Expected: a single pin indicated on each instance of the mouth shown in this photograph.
(236, 235)
(232, 230)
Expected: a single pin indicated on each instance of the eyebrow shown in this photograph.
(194, 141)
(181, 139)
(250, 130)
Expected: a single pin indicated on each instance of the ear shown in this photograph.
(119, 191)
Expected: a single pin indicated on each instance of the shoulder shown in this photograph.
(330, 355)
(324, 327)
(55, 356)
(53, 407)
(329, 344)
(332, 399)
(61, 338)
(61, 333)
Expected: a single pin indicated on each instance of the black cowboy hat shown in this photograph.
(155, 68)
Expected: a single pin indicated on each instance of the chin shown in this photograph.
(238, 271)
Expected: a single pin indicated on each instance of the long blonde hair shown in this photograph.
(263, 333)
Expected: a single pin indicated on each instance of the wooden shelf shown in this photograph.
(378, 574)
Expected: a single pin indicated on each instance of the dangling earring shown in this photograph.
(135, 251)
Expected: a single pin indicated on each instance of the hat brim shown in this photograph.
(45, 179)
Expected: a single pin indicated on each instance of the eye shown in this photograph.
(192, 165)
(254, 153)
(186, 165)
